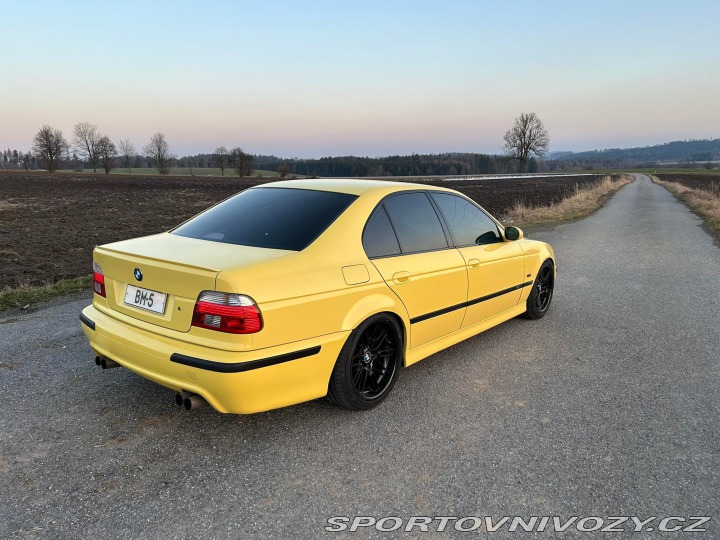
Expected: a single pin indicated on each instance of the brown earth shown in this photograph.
(49, 224)
(698, 181)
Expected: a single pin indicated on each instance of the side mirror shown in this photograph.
(513, 233)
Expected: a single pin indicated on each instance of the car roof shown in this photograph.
(349, 185)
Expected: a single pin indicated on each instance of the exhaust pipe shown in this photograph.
(181, 396)
(106, 363)
(194, 402)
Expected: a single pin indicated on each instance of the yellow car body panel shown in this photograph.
(417, 278)
(309, 300)
(147, 354)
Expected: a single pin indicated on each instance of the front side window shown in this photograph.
(417, 225)
(469, 224)
(277, 218)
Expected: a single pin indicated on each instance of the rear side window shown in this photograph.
(468, 223)
(417, 225)
(278, 218)
(379, 239)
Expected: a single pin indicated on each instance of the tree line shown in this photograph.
(88, 146)
(688, 150)
(412, 165)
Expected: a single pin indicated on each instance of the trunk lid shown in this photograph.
(175, 266)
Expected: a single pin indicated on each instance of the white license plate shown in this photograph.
(145, 299)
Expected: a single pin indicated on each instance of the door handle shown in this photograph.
(474, 263)
(401, 277)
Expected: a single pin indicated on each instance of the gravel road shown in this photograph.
(609, 406)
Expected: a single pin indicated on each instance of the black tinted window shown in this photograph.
(416, 223)
(468, 223)
(379, 238)
(279, 218)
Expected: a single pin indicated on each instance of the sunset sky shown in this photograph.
(311, 79)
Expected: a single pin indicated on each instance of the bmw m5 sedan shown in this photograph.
(302, 289)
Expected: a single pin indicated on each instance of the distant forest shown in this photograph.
(686, 151)
(412, 165)
(690, 152)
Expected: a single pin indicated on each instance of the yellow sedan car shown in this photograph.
(297, 290)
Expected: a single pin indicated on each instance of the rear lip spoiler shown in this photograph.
(239, 367)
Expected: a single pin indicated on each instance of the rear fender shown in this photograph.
(379, 303)
(371, 305)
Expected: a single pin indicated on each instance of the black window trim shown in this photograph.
(476, 205)
(448, 239)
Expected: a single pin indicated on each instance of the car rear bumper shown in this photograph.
(232, 382)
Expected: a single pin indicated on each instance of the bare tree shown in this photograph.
(26, 160)
(221, 158)
(159, 152)
(527, 137)
(283, 170)
(85, 139)
(191, 163)
(107, 153)
(50, 146)
(127, 150)
(241, 161)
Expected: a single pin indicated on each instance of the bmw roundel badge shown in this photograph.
(138, 274)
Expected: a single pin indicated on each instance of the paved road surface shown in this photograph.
(609, 406)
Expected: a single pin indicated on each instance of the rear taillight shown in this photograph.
(98, 280)
(225, 312)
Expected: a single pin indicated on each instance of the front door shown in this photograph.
(496, 267)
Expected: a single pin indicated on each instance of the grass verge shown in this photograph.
(28, 295)
(580, 203)
(705, 202)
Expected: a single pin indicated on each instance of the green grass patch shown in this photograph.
(25, 295)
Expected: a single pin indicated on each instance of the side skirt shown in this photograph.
(427, 349)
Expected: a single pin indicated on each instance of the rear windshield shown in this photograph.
(278, 218)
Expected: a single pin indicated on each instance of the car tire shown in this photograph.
(538, 303)
(368, 364)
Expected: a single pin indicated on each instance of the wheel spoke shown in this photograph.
(373, 361)
(363, 381)
(378, 336)
(543, 289)
(356, 377)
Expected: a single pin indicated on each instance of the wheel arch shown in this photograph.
(379, 304)
(536, 253)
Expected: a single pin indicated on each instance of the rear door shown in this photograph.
(496, 267)
(409, 246)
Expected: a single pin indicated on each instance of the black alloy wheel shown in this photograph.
(539, 300)
(544, 288)
(368, 364)
(373, 361)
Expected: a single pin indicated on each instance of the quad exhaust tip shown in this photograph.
(189, 400)
(105, 363)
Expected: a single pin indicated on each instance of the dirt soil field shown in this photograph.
(49, 224)
(697, 181)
